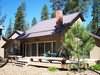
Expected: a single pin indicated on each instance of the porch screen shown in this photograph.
(54, 47)
(34, 49)
(41, 49)
(47, 47)
(27, 53)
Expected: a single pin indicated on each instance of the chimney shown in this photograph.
(59, 18)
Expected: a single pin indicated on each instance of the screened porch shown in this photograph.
(39, 48)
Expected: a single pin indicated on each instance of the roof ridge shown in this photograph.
(55, 18)
(41, 31)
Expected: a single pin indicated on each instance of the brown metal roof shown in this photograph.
(47, 27)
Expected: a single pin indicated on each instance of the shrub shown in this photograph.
(52, 69)
(96, 67)
(74, 66)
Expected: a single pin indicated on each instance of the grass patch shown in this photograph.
(52, 69)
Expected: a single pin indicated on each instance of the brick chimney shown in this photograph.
(59, 18)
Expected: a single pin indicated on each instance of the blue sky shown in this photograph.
(33, 9)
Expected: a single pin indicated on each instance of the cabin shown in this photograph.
(2, 42)
(45, 37)
(95, 52)
(12, 45)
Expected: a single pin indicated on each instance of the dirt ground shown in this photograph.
(12, 69)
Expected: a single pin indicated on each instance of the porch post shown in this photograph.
(19, 45)
(44, 47)
(31, 49)
(37, 49)
(25, 49)
(52, 47)
(30, 54)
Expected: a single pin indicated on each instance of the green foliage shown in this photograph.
(53, 14)
(78, 41)
(20, 18)
(34, 21)
(2, 19)
(96, 67)
(44, 13)
(52, 69)
(9, 30)
(96, 16)
(70, 6)
(26, 26)
(57, 4)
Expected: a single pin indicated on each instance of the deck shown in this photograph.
(46, 62)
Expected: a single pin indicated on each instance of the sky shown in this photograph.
(33, 9)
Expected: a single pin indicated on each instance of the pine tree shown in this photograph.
(71, 6)
(57, 4)
(96, 16)
(34, 21)
(76, 5)
(26, 26)
(9, 30)
(2, 20)
(44, 13)
(79, 42)
(53, 14)
(20, 17)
